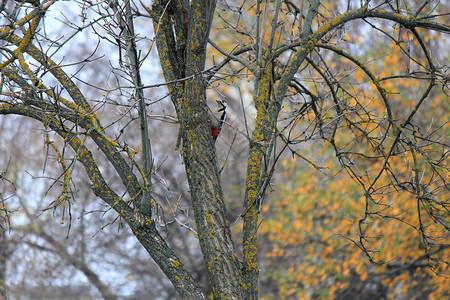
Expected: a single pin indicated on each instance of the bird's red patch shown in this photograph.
(214, 132)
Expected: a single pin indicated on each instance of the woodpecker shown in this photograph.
(217, 121)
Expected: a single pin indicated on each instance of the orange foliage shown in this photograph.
(306, 230)
(305, 253)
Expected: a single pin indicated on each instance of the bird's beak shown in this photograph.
(221, 103)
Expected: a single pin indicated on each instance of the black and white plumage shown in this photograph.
(218, 118)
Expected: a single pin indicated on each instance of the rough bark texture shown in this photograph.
(182, 50)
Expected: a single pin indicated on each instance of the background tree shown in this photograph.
(287, 51)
